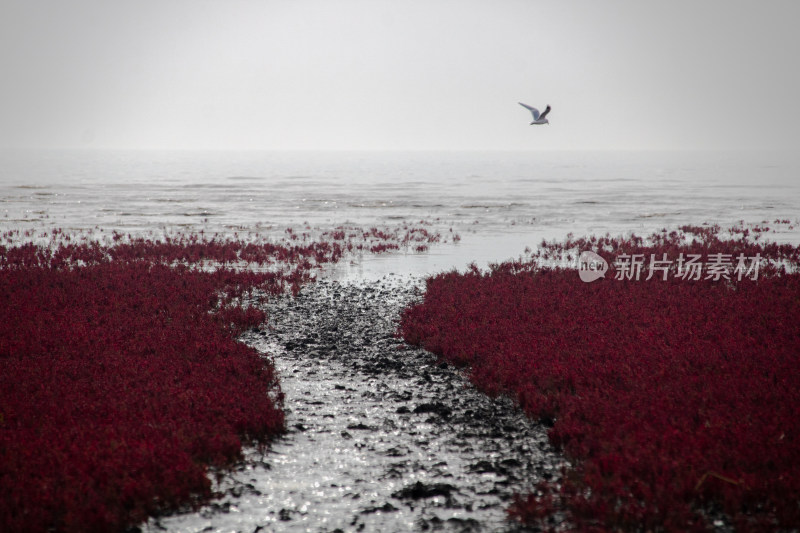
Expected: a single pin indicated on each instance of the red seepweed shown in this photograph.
(121, 381)
(676, 401)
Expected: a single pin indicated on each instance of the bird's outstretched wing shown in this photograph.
(545, 112)
(533, 110)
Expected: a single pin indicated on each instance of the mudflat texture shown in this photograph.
(380, 436)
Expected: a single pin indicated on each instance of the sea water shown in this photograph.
(499, 203)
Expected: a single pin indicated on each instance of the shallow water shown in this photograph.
(498, 202)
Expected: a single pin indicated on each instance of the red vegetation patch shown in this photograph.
(118, 387)
(671, 398)
(121, 381)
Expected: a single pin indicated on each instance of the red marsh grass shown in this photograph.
(675, 400)
(121, 380)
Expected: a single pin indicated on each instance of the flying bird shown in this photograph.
(538, 118)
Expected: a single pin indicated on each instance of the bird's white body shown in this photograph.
(538, 118)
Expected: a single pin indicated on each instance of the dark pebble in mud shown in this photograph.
(437, 408)
(360, 426)
(420, 490)
(385, 508)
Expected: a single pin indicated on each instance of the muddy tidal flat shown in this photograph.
(380, 437)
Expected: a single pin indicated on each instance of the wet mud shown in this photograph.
(381, 436)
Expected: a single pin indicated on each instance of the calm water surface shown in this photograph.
(498, 202)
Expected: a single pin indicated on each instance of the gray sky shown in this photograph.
(377, 74)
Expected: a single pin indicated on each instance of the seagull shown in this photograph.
(537, 117)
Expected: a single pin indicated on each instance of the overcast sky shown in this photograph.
(379, 74)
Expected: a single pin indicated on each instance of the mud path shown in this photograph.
(380, 438)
